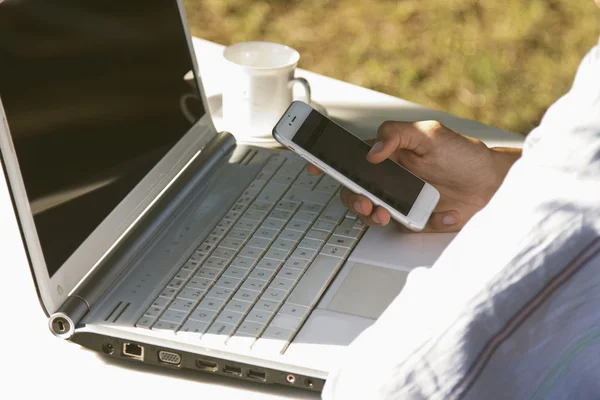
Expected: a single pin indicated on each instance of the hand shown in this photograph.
(464, 170)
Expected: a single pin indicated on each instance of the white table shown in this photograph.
(37, 364)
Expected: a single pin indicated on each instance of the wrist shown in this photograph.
(503, 159)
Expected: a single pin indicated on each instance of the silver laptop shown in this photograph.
(151, 236)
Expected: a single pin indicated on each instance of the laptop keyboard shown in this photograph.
(260, 272)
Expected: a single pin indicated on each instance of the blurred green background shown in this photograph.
(498, 62)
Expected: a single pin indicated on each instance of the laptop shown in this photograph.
(155, 238)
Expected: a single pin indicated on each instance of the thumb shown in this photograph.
(444, 221)
(392, 136)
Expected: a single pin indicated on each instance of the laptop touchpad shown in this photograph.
(367, 290)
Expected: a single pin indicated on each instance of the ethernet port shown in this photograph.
(132, 350)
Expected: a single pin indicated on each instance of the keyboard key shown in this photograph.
(296, 263)
(176, 283)
(246, 295)
(325, 225)
(311, 244)
(266, 233)
(261, 274)
(282, 284)
(251, 252)
(327, 185)
(173, 316)
(269, 264)
(307, 196)
(286, 322)
(230, 317)
(235, 272)
(250, 329)
(300, 226)
(243, 262)
(207, 273)
(200, 283)
(153, 312)
(182, 305)
(190, 294)
(291, 235)
(183, 274)
(347, 232)
(160, 302)
(222, 329)
(271, 192)
(288, 205)
(203, 315)
(342, 241)
(253, 284)
(165, 326)
(192, 329)
(274, 295)
(232, 215)
(312, 207)
(238, 306)
(335, 251)
(228, 283)
(259, 316)
(273, 341)
(317, 234)
(304, 254)
(290, 273)
(247, 224)
(283, 244)
(261, 206)
(145, 322)
(314, 282)
(215, 232)
(294, 310)
(169, 293)
(259, 242)
(266, 305)
(305, 216)
(276, 254)
(230, 243)
(211, 304)
(222, 252)
(254, 215)
(271, 223)
(216, 263)
(220, 293)
(236, 233)
(281, 215)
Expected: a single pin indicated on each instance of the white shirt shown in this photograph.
(511, 309)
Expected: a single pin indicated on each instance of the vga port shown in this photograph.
(169, 357)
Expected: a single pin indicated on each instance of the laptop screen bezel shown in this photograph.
(54, 290)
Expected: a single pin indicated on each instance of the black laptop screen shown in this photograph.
(93, 94)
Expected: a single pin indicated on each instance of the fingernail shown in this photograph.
(357, 207)
(375, 219)
(449, 220)
(376, 148)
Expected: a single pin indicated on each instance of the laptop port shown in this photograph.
(134, 351)
(169, 357)
(206, 365)
(290, 378)
(258, 375)
(231, 370)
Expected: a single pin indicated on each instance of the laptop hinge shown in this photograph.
(70, 314)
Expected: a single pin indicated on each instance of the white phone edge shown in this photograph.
(419, 213)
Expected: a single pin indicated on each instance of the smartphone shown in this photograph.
(320, 141)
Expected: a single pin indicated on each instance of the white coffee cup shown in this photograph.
(258, 87)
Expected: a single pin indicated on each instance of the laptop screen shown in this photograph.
(95, 96)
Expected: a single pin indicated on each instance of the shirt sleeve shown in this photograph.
(451, 324)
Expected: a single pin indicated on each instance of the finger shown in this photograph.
(313, 170)
(356, 203)
(380, 217)
(444, 221)
(392, 136)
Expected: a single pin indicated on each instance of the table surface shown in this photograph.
(38, 364)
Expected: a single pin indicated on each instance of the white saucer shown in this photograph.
(216, 107)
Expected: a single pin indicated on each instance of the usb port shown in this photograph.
(206, 365)
(228, 369)
(258, 375)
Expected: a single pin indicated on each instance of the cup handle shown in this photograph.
(304, 83)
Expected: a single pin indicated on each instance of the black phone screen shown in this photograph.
(346, 153)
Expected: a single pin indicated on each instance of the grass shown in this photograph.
(499, 62)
